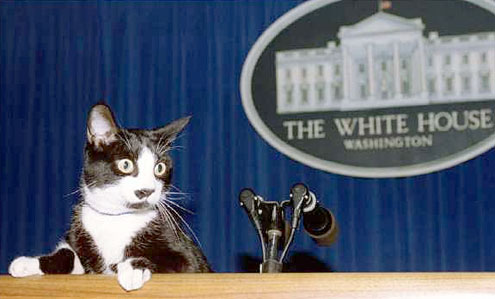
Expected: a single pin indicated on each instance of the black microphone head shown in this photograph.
(321, 226)
(249, 201)
(247, 198)
(299, 189)
(299, 195)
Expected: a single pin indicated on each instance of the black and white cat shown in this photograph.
(123, 223)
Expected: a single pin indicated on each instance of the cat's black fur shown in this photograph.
(157, 247)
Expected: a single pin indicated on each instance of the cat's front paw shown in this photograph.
(130, 278)
(25, 266)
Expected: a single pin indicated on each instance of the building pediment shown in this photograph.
(380, 23)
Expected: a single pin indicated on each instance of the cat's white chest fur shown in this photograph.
(112, 234)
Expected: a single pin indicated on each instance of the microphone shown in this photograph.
(299, 198)
(248, 201)
(275, 231)
(319, 223)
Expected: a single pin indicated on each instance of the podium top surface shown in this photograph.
(449, 285)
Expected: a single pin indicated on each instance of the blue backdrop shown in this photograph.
(156, 61)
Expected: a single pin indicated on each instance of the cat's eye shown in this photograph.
(160, 169)
(125, 166)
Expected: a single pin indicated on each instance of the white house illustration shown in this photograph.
(385, 61)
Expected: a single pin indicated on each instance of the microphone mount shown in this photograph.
(275, 231)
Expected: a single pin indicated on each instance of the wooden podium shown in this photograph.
(451, 285)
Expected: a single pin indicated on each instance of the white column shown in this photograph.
(491, 61)
(398, 93)
(437, 63)
(474, 61)
(311, 79)
(281, 102)
(422, 68)
(329, 78)
(345, 71)
(297, 95)
(371, 79)
(351, 83)
(456, 67)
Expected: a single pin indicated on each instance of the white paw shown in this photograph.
(25, 266)
(130, 278)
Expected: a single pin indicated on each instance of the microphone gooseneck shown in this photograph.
(249, 201)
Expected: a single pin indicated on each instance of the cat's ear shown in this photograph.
(170, 131)
(101, 126)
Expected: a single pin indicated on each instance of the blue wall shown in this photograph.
(156, 61)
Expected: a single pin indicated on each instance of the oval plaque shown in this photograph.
(376, 89)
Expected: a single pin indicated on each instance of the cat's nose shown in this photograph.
(143, 193)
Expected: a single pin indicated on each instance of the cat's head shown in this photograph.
(126, 170)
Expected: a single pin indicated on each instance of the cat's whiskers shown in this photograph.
(173, 141)
(124, 137)
(171, 148)
(162, 209)
(176, 227)
(168, 209)
(126, 140)
(177, 193)
(179, 136)
(177, 205)
(173, 187)
(172, 195)
(177, 198)
(159, 208)
(79, 190)
(165, 148)
(160, 147)
(185, 223)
